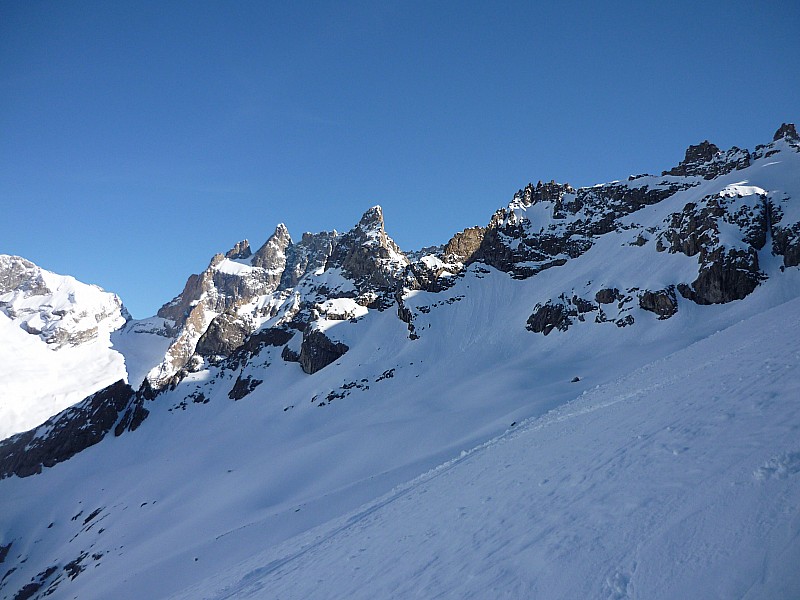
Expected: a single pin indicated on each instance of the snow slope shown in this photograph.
(680, 480)
(55, 348)
(622, 442)
(274, 465)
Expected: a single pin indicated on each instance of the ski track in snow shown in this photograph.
(650, 487)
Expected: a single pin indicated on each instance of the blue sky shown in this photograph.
(137, 139)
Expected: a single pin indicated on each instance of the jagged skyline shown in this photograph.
(138, 141)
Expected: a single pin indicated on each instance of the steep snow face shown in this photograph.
(55, 346)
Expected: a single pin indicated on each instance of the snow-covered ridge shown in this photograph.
(327, 372)
(59, 309)
(55, 347)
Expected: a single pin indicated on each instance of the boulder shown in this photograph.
(318, 351)
(661, 302)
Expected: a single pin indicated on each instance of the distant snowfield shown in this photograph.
(681, 480)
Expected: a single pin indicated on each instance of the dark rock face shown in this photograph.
(66, 434)
(368, 256)
(725, 274)
(307, 256)
(785, 237)
(430, 275)
(607, 296)
(318, 351)
(464, 245)
(547, 317)
(724, 277)
(788, 132)
(242, 387)
(272, 255)
(705, 160)
(662, 302)
(224, 335)
(523, 249)
(240, 251)
(559, 314)
(289, 355)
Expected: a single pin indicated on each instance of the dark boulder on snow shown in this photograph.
(547, 317)
(318, 351)
(661, 302)
(607, 296)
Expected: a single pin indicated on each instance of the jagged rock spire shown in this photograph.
(788, 132)
(272, 255)
(240, 250)
(367, 255)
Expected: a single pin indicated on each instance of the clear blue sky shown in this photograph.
(139, 138)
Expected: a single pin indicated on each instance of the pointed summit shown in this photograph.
(367, 255)
(372, 218)
(786, 132)
(240, 250)
(272, 255)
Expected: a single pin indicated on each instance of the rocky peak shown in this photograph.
(372, 219)
(706, 160)
(368, 256)
(239, 251)
(307, 256)
(16, 273)
(542, 192)
(272, 255)
(788, 132)
(696, 156)
(58, 309)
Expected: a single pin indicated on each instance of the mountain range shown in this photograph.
(593, 395)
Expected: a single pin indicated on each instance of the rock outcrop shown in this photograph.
(68, 433)
(705, 160)
(663, 303)
(318, 351)
(369, 257)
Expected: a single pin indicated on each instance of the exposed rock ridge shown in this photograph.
(71, 431)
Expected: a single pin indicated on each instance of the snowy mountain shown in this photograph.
(55, 346)
(594, 396)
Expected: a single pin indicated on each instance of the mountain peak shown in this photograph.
(706, 160)
(788, 132)
(240, 250)
(273, 251)
(372, 218)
